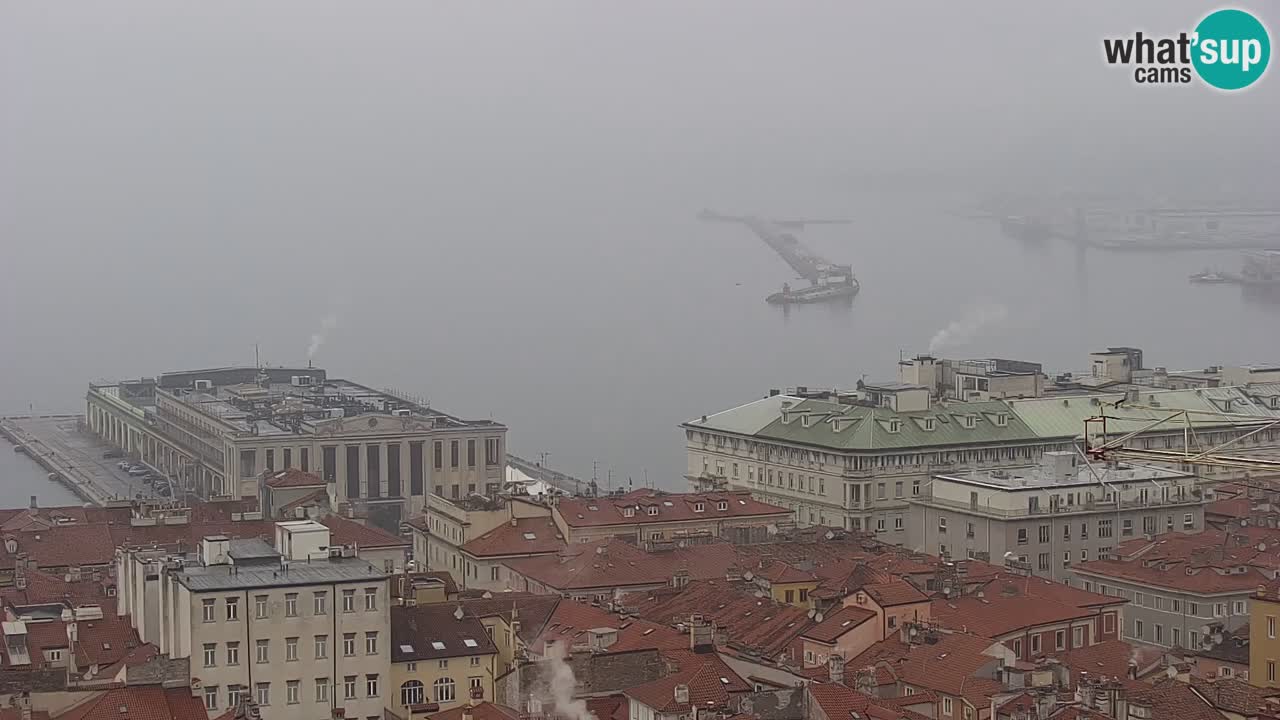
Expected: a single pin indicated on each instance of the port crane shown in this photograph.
(1104, 450)
(804, 261)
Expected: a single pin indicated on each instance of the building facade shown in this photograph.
(301, 631)
(1054, 515)
(219, 432)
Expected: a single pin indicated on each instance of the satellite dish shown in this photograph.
(812, 613)
(748, 575)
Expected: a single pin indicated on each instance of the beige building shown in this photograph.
(303, 630)
(219, 432)
(645, 516)
(441, 655)
(448, 524)
(973, 380)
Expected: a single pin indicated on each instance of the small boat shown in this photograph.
(1209, 277)
(833, 282)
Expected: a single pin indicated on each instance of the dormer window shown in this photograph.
(895, 426)
(722, 505)
(1002, 419)
(968, 421)
(628, 512)
(652, 510)
(699, 507)
(928, 424)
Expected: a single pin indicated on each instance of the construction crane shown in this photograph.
(1103, 450)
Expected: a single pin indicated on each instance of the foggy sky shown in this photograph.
(499, 196)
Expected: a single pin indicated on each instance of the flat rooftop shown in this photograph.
(1041, 478)
(209, 578)
(278, 401)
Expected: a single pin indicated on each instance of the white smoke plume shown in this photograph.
(561, 685)
(327, 325)
(961, 331)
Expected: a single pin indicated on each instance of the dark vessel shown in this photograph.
(832, 283)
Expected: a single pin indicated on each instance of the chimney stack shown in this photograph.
(835, 668)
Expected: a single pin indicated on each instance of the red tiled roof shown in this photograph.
(524, 536)
(709, 679)
(895, 591)
(618, 564)
(947, 666)
(480, 711)
(1000, 612)
(609, 707)
(429, 632)
(142, 702)
(781, 572)
(839, 702)
(320, 497)
(671, 507)
(836, 624)
(349, 532)
(1169, 698)
(43, 587)
(1232, 694)
(1109, 658)
(294, 478)
(757, 624)
(1236, 507)
(571, 620)
(1207, 563)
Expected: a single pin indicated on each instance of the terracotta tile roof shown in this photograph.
(617, 564)
(780, 572)
(294, 478)
(670, 507)
(894, 591)
(105, 642)
(757, 625)
(1172, 699)
(839, 702)
(1203, 563)
(836, 624)
(609, 707)
(947, 666)
(43, 587)
(525, 536)
(429, 632)
(1039, 588)
(711, 682)
(1110, 658)
(349, 532)
(480, 711)
(319, 497)
(533, 611)
(142, 702)
(1002, 612)
(571, 620)
(63, 546)
(1233, 695)
(1236, 507)
(16, 714)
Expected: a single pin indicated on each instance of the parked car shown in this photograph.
(112, 453)
(138, 471)
(124, 464)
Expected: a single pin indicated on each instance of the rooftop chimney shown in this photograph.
(835, 668)
(34, 504)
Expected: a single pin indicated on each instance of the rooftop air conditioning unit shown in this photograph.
(204, 384)
(337, 412)
(402, 412)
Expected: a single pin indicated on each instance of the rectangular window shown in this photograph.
(291, 605)
(897, 489)
(437, 451)
(305, 463)
(1077, 637)
(947, 707)
(291, 649)
(348, 601)
(1271, 627)
(1271, 671)
(233, 608)
(264, 693)
(233, 653)
(453, 453)
(1188, 521)
(210, 654)
(260, 607)
(271, 460)
(370, 599)
(1022, 536)
(1035, 643)
(1138, 629)
(1060, 640)
(471, 453)
(288, 458)
(1042, 561)
(329, 456)
(320, 603)
(1174, 633)
(1044, 533)
(371, 643)
(1238, 607)
(349, 687)
(348, 644)
(210, 697)
(880, 492)
(263, 651)
(322, 690)
(1193, 609)
(233, 695)
(291, 692)
(371, 685)
(322, 647)
(475, 682)
(1104, 528)
(491, 453)
(1066, 531)
(208, 609)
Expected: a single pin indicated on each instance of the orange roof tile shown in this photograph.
(294, 478)
(670, 507)
(143, 702)
(836, 624)
(524, 536)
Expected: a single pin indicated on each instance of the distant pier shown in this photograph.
(71, 456)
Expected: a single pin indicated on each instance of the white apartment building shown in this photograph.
(302, 631)
(1053, 516)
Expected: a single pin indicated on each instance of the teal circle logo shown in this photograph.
(1232, 49)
